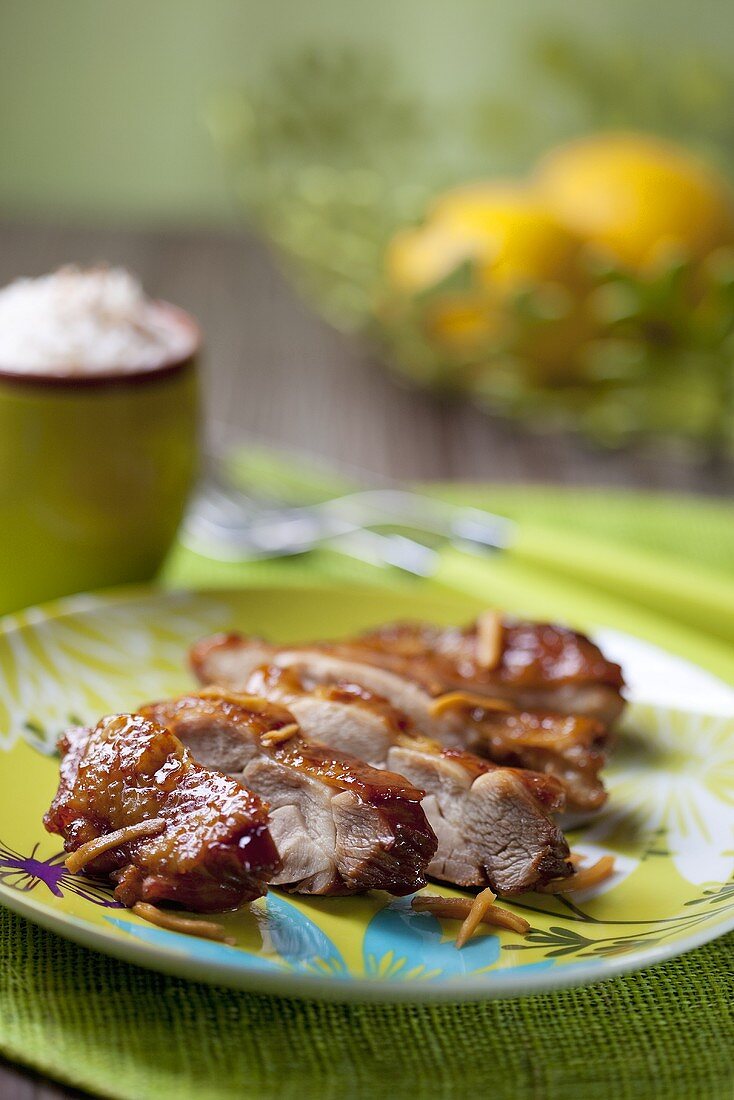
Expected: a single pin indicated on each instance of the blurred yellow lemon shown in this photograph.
(520, 241)
(512, 236)
(515, 244)
(640, 198)
(422, 257)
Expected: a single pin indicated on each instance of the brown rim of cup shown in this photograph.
(117, 378)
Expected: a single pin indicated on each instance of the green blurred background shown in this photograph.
(102, 103)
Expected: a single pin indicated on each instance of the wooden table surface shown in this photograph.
(275, 370)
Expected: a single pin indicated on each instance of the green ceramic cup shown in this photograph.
(95, 472)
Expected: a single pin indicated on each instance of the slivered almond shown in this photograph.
(475, 916)
(490, 639)
(452, 700)
(85, 853)
(582, 880)
(254, 703)
(460, 908)
(207, 929)
(277, 737)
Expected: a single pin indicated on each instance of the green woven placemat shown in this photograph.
(122, 1031)
(119, 1031)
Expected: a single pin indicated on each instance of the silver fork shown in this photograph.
(229, 523)
(233, 523)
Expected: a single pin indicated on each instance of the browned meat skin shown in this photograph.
(493, 823)
(291, 681)
(215, 853)
(542, 665)
(544, 669)
(533, 654)
(568, 747)
(341, 826)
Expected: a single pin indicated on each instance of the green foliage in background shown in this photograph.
(685, 96)
(329, 156)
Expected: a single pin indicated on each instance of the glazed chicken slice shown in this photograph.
(195, 836)
(568, 748)
(534, 666)
(493, 824)
(340, 826)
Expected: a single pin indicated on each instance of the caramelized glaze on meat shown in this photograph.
(251, 714)
(293, 680)
(570, 748)
(533, 655)
(215, 852)
(493, 823)
(345, 826)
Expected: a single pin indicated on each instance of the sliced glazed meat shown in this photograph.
(493, 824)
(212, 850)
(532, 665)
(340, 826)
(569, 748)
